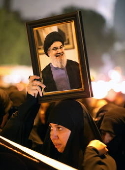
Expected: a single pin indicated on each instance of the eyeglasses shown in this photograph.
(56, 48)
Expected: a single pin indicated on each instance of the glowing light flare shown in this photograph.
(12, 78)
(115, 75)
(114, 85)
(18, 74)
(123, 87)
(100, 89)
(117, 87)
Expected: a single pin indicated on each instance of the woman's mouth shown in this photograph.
(57, 145)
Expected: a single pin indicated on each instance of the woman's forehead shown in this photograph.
(53, 124)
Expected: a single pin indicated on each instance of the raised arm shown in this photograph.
(20, 124)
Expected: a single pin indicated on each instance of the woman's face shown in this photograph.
(107, 137)
(59, 136)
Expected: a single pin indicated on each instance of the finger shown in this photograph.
(31, 78)
(106, 149)
(38, 89)
(35, 93)
(38, 83)
(31, 89)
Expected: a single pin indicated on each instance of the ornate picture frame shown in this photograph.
(70, 27)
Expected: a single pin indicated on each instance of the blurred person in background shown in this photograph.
(5, 106)
(110, 119)
(10, 100)
(17, 98)
(40, 125)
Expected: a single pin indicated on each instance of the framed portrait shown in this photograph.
(59, 56)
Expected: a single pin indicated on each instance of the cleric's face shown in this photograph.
(57, 54)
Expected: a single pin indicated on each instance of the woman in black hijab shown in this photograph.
(68, 116)
(112, 128)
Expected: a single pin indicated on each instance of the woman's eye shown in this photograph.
(50, 128)
(59, 128)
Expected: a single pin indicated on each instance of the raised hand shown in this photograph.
(35, 86)
(98, 145)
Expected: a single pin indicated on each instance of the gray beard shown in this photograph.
(61, 63)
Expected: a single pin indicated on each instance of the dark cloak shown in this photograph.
(74, 116)
(113, 121)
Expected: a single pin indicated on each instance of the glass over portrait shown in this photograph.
(60, 70)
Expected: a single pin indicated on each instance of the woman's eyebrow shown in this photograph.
(58, 125)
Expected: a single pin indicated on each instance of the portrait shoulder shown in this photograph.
(72, 62)
(47, 68)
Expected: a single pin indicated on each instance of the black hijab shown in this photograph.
(72, 115)
(113, 121)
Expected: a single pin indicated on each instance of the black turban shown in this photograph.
(50, 39)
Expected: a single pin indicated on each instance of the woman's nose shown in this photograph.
(54, 134)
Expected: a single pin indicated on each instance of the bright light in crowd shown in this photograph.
(100, 89)
(123, 87)
(115, 75)
(114, 85)
(117, 87)
(12, 79)
(18, 74)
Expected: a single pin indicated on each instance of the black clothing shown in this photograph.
(73, 72)
(9, 161)
(94, 162)
(72, 115)
(113, 121)
(19, 126)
